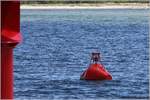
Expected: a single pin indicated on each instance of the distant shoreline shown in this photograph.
(88, 6)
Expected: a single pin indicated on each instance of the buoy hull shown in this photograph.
(96, 72)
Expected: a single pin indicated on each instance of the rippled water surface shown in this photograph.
(57, 44)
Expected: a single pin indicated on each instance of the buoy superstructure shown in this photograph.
(96, 70)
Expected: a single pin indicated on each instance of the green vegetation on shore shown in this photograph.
(83, 1)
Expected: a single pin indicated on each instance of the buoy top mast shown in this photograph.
(95, 57)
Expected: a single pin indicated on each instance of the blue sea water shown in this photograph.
(56, 49)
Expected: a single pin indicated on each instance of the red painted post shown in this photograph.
(10, 37)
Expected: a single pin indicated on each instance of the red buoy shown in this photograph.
(96, 71)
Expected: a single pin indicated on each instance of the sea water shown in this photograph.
(56, 49)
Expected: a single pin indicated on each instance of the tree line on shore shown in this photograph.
(82, 1)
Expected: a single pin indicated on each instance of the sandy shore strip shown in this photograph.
(89, 6)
